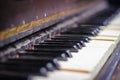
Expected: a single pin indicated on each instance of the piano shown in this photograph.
(60, 39)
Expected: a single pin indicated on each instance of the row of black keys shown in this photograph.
(44, 56)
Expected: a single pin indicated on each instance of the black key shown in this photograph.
(63, 43)
(44, 53)
(95, 29)
(84, 29)
(60, 56)
(60, 44)
(86, 32)
(35, 60)
(55, 46)
(7, 75)
(67, 52)
(89, 26)
(15, 67)
(48, 66)
(75, 36)
(71, 49)
(102, 21)
(66, 41)
(82, 39)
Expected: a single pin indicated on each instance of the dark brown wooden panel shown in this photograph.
(20, 18)
(18, 12)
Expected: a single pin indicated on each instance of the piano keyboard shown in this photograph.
(76, 54)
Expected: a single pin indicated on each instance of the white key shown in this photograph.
(99, 43)
(116, 20)
(112, 27)
(108, 35)
(63, 75)
(111, 33)
(104, 38)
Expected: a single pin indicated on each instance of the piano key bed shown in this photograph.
(76, 54)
